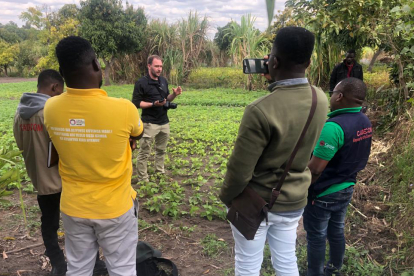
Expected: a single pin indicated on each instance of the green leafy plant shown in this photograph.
(213, 246)
(12, 174)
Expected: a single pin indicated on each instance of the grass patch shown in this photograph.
(212, 246)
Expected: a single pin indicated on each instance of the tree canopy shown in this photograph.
(111, 29)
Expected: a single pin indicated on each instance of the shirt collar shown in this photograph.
(287, 82)
(344, 110)
(86, 92)
(152, 81)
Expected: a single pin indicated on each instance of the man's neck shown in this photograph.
(82, 79)
(153, 77)
(289, 75)
(82, 85)
(40, 91)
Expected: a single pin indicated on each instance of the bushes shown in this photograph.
(377, 79)
(229, 77)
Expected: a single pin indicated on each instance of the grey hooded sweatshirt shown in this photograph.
(32, 138)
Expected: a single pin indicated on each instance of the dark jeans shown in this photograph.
(325, 218)
(50, 208)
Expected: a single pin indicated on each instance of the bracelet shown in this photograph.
(153, 103)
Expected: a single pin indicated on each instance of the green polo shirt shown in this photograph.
(330, 141)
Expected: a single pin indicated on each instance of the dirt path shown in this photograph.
(11, 80)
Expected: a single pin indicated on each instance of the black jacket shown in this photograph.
(340, 72)
(149, 90)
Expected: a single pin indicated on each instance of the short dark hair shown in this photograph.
(351, 51)
(152, 57)
(353, 87)
(48, 76)
(74, 52)
(294, 44)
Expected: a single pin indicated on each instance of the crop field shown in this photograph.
(180, 212)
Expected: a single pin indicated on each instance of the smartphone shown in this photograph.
(255, 66)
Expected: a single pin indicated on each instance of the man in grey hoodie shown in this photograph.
(32, 138)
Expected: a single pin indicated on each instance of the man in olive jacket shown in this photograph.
(268, 133)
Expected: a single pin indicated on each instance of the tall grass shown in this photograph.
(248, 42)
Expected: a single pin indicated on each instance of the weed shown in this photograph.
(228, 272)
(213, 247)
(357, 263)
(267, 267)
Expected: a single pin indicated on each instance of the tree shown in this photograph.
(374, 58)
(224, 37)
(11, 33)
(31, 51)
(51, 38)
(8, 55)
(283, 19)
(112, 30)
(33, 17)
(339, 26)
(399, 34)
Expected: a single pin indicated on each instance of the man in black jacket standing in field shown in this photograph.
(346, 69)
(152, 95)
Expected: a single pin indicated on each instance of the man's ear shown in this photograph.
(276, 62)
(340, 97)
(95, 64)
(54, 87)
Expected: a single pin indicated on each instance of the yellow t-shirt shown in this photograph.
(91, 134)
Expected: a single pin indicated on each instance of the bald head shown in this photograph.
(353, 88)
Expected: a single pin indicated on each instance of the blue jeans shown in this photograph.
(325, 218)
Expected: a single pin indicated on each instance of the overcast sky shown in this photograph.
(219, 12)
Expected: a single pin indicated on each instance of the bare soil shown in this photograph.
(181, 246)
(12, 79)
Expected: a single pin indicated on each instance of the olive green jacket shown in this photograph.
(268, 133)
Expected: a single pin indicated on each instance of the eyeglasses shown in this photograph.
(331, 92)
(339, 91)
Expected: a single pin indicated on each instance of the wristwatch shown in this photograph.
(153, 103)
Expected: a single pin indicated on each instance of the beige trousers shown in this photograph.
(118, 238)
(159, 134)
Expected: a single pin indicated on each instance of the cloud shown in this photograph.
(218, 12)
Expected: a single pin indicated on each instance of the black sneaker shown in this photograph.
(100, 268)
(59, 270)
(331, 271)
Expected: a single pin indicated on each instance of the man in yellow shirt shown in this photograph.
(91, 133)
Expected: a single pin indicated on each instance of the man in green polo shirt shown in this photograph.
(341, 152)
